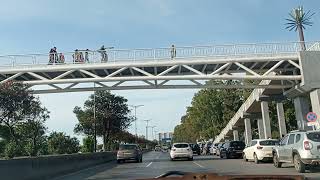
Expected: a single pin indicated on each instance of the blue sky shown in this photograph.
(34, 26)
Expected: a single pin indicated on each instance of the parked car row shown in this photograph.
(300, 148)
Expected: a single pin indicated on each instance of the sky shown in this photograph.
(35, 26)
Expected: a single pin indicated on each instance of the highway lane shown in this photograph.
(156, 163)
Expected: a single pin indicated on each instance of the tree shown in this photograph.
(22, 120)
(88, 144)
(210, 111)
(16, 105)
(112, 116)
(60, 143)
(297, 20)
(32, 134)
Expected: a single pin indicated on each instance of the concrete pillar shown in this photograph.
(301, 107)
(266, 119)
(235, 135)
(281, 120)
(248, 134)
(260, 129)
(315, 104)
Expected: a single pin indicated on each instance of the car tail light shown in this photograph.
(173, 149)
(307, 145)
(259, 147)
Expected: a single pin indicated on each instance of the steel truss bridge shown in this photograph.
(192, 67)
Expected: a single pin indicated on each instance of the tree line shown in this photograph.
(23, 131)
(212, 109)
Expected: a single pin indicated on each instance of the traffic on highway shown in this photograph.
(161, 89)
(235, 160)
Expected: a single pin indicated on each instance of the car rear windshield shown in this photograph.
(127, 147)
(314, 136)
(237, 143)
(269, 143)
(181, 145)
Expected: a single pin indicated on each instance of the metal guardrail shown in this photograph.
(119, 55)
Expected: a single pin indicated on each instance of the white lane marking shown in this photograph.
(149, 164)
(198, 165)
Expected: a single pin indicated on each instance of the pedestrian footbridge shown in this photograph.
(191, 67)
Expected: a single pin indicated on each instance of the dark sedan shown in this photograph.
(232, 149)
(195, 149)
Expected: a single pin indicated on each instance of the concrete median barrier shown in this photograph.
(46, 167)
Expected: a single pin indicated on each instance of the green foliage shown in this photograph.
(21, 120)
(112, 116)
(59, 143)
(88, 144)
(210, 111)
(13, 149)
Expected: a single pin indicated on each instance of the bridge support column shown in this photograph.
(315, 103)
(301, 106)
(266, 119)
(235, 135)
(260, 129)
(281, 120)
(248, 134)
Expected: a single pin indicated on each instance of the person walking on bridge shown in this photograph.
(53, 56)
(173, 51)
(103, 52)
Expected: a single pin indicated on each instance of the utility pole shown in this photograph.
(94, 117)
(152, 131)
(135, 118)
(147, 120)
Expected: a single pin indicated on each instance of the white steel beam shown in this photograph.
(64, 74)
(183, 77)
(158, 87)
(220, 69)
(116, 72)
(168, 70)
(11, 77)
(142, 71)
(246, 69)
(193, 70)
(273, 68)
(89, 73)
(295, 64)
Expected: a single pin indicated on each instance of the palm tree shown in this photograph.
(297, 21)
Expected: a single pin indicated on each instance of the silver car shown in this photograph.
(129, 152)
(302, 148)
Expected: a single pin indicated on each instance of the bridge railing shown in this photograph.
(120, 55)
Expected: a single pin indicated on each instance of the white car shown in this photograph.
(213, 149)
(259, 150)
(181, 150)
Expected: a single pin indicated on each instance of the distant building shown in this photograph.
(165, 136)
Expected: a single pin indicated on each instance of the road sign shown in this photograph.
(311, 117)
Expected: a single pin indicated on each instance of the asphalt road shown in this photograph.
(157, 163)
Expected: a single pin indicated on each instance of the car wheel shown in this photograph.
(227, 156)
(118, 161)
(190, 159)
(298, 164)
(276, 162)
(244, 157)
(255, 158)
(221, 155)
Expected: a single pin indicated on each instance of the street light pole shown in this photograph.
(135, 118)
(147, 120)
(94, 117)
(152, 132)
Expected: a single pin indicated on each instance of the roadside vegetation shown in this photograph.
(23, 131)
(212, 109)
